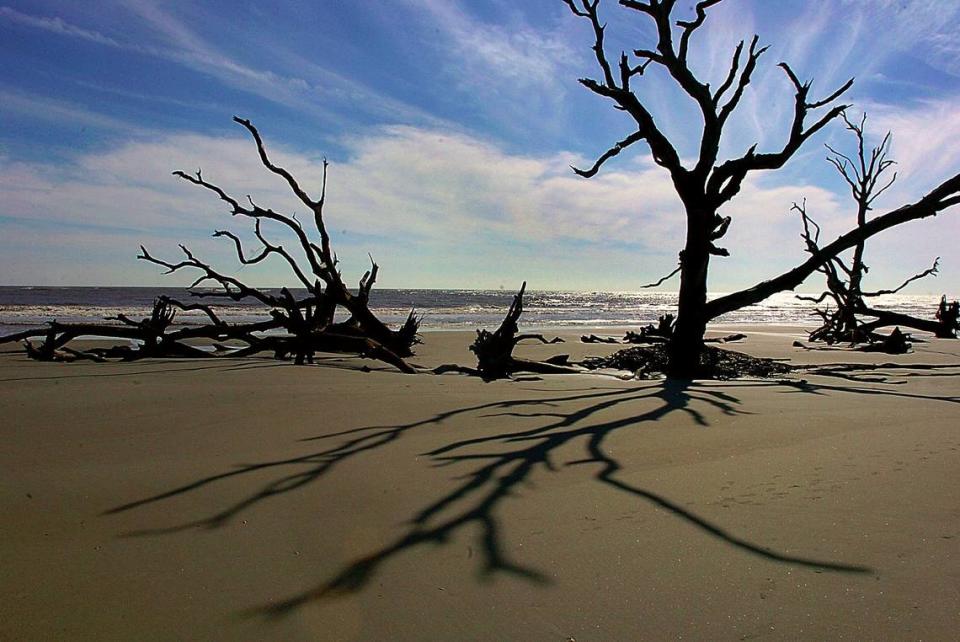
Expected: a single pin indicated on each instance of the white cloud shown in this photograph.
(435, 207)
(423, 194)
(924, 141)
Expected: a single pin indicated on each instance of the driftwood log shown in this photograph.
(659, 333)
(593, 338)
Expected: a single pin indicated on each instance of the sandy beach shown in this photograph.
(252, 499)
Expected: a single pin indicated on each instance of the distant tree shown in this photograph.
(711, 182)
(866, 174)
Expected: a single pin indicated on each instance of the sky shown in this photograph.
(450, 127)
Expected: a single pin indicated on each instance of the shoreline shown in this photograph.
(252, 499)
(442, 310)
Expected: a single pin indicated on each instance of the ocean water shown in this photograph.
(25, 307)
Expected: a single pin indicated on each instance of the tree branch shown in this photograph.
(693, 25)
(942, 197)
(610, 153)
(726, 179)
(227, 282)
(279, 171)
(256, 212)
(931, 271)
(662, 280)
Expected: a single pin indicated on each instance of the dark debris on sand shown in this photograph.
(715, 363)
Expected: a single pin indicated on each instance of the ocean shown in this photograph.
(25, 307)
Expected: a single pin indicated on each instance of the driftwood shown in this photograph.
(494, 350)
(146, 339)
(593, 338)
(293, 326)
(660, 333)
(730, 338)
(896, 342)
(655, 334)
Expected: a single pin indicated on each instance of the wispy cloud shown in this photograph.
(924, 140)
(911, 25)
(519, 52)
(30, 105)
(514, 74)
(58, 26)
(184, 46)
(318, 92)
(151, 98)
(945, 50)
(180, 46)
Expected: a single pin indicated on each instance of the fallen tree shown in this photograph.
(297, 326)
(844, 323)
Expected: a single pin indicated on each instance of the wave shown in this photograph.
(441, 309)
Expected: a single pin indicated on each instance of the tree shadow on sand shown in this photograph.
(499, 472)
(503, 461)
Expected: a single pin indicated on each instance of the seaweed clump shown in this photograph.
(650, 362)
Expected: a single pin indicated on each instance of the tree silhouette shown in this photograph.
(710, 182)
(297, 325)
(866, 174)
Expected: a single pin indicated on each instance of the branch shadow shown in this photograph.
(500, 472)
(310, 467)
(221, 364)
(504, 460)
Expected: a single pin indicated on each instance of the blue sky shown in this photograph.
(450, 126)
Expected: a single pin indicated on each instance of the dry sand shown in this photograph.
(249, 499)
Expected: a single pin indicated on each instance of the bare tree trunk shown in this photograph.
(849, 324)
(686, 343)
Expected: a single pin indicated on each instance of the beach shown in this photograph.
(253, 499)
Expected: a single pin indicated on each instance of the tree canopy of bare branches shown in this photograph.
(866, 174)
(296, 324)
(708, 182)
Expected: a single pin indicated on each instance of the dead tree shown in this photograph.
(295, 325)
(865, 176)
(325, 286)
(709, 183)
(494, 350)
